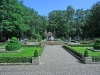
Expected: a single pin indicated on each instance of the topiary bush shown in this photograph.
(14, 44)
(97, 44)
(36, 53)
(86, 53)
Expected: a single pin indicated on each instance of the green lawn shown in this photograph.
(82, 49)
(26, 52)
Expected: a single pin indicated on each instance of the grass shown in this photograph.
(26, 52)
(82, 49)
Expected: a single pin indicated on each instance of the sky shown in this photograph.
(45, 6)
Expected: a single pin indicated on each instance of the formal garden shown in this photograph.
(16, 52)
(78, 30)
(85, 49)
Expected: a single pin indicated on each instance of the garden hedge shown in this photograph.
(80, 45)
(37, 45)
(97, 44)
(15, 59)
(73, 51)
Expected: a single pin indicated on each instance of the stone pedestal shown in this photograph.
(35, 61)
(87, 60)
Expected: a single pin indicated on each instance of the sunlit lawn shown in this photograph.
(25, 52)
(82, 49)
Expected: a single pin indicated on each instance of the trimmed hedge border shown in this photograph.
(37, 45)
(70, 50)
(15, 59)
(21, 60)
(86, 60)
(80, 45)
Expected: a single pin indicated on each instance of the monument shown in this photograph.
(49, 36)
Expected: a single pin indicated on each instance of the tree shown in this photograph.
(80, 19)
(95, 19)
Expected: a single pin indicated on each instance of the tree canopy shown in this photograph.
(20, 21)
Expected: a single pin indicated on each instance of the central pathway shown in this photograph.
(54, 61)
(57, 55)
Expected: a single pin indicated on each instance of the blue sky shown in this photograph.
(45, 6)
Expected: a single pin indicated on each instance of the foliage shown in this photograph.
(79, 22)
(86, 53)
(73, 51)
(97, 44)
(62, 38)
(20, 21)
(36, 53)
(38, 37)
(15, 59)
(23, 56)
(44, 36)
(37, 45)
(96, 58)
(14, 44)
(81, 45)
(82, 49)
(92, 26)
(95, 55)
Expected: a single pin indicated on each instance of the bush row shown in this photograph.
(95, 58)
(15, 59)
(81, 45)
(73, 51)
(37, 45)
(85, 43)
(97, 44)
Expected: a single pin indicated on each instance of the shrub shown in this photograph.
(39, 38)
(86, 53)
(80, 45)
(73, 51)
(37, 45)
(44, 36)
(36, 53)
(85, 43)
(97, 44)
(15, 59)
(96, 58)
(73, 41)
(62, 38)
(14, 44)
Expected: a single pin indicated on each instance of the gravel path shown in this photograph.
(55, 61)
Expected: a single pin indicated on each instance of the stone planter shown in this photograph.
(87, 60)
(35, 61)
